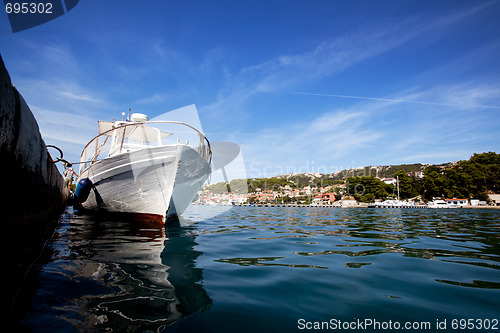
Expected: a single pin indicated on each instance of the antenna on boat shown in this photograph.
(128, 118)
(123, 116)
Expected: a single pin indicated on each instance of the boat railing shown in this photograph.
(114, 141)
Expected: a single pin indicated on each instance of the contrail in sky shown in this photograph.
(398, 100)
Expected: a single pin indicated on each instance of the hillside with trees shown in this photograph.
(379, 171)
(473, 178)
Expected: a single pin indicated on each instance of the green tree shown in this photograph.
(368, 197)
(239, 186)
(435, 183)
(473, 178)
(265, 184)
(406, 185)
(218, 188)
(286, 199)
(359, 187)
(251, 200)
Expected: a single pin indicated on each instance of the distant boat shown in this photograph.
(438, 203)
(392, 203)
(448, 203)
(129, 168)
(396, 204)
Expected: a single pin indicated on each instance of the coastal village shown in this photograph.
(314, 197)
(309, 195)
(428, 186)
(327, 196)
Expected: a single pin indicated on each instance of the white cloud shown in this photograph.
(326, 59)
(69, 131)
(455, 98)
(319, 142)
(153, 99)
(383, 130)
(79, 96)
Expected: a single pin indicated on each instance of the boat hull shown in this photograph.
(154, 183)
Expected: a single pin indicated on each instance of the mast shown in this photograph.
(397, 182)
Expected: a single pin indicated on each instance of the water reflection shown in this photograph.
(265, 261)
(319, 238)
(266, 267)
(116, 275)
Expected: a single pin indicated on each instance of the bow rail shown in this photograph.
(124, 137)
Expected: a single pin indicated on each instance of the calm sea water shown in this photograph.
(259, 269)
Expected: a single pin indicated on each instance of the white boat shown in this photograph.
(437, 203)
(448, 203)
(397, 204)
(131, 167)
(390, 203)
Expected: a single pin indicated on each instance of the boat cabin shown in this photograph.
(130, 136)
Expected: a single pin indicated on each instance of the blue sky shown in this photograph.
(300, 85)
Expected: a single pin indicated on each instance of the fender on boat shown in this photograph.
(82, 190)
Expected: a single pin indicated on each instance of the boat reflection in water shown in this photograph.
(119, 276)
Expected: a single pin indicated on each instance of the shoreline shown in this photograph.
(360, 205)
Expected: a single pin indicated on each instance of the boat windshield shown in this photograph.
(123, 137)
(140, 132)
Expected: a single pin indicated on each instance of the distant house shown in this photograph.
(495, 198)
(324, 198)
(477, 202)
(318, 198)
(266, 197)
(389, 181)
(346, 201)
(340, 188)
(419, 174)
(456, 202)
(328, 197)
(307, 190)
(416, 174)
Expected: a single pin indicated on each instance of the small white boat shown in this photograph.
(394, 203)
(131, 167)
(438, 203)
(448, 203)
(390, 203)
